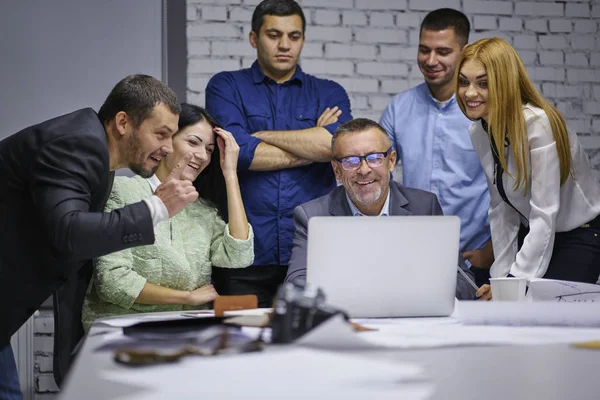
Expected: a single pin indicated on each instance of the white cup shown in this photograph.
(508, 289)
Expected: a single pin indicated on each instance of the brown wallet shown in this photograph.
(229, 303)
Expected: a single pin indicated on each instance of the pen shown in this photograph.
(467, 278)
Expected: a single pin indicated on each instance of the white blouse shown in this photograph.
(549, 207)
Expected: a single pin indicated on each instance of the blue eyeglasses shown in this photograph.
(374, 160)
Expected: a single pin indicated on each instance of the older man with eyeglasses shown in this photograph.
(363, 162)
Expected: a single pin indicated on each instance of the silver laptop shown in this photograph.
(402, 266)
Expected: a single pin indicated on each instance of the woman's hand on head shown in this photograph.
(202, 295)
(229, 150)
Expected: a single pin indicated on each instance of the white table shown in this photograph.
(545, 372)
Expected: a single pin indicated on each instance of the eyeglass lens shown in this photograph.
(373, 160)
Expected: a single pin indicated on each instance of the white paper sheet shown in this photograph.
(563, 291)
(334, 334)
(515, 313)
(253, 311)
(121, 322)
(284, 373)
(411, 333)
(412, 337)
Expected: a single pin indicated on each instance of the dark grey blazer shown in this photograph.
(403, 201)
(54, 183)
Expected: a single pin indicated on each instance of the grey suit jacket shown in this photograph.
(403, 201)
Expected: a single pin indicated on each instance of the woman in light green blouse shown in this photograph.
(174, 273)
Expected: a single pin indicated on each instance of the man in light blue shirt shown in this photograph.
(431, 136)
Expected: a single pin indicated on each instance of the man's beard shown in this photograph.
(375, 196)
(366, 202)
(136, 156)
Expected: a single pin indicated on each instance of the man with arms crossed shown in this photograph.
(431, 136)
(363, 161)
(56, 177)
(283, 119)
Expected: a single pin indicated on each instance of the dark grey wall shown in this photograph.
(175, 59)
(61, 55)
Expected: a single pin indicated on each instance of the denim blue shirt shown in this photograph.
(247, 101)
(432, 141)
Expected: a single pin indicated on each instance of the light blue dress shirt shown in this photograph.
(432, 141)
(385, 210)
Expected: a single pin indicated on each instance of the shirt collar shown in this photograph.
(154, 182)
(439, 104)
(385, 210)
(258, 76)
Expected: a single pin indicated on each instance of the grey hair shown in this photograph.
(356, 126)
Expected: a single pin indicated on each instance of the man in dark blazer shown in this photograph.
(363, 162)
(55, 178)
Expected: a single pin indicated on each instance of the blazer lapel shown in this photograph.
(339, 204)
(397, 200)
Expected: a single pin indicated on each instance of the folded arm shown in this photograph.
(271, 158)
(296, 147)
(224, 103)
(275, 150)
(313, 144)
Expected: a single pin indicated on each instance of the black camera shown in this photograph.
(297, 310)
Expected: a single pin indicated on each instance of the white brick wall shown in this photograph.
(369, 46)
(45, 386)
